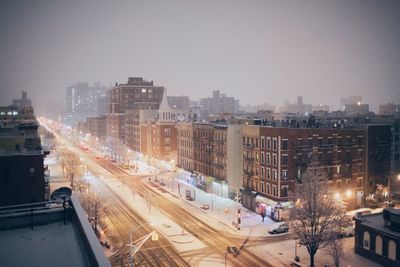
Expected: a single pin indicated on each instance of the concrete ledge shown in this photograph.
(96, 254)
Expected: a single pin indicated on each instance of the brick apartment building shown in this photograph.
(158, 137)
(126, 101)
(97, 127)
(275, 158)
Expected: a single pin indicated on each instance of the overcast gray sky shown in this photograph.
(257, 51)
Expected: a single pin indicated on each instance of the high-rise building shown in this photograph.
(82, 101)
(125, 106)
(24, 102)
(297, 108)
(219, 104)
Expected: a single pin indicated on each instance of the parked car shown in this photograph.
(279, 228)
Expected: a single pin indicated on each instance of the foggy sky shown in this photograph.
(257, 51)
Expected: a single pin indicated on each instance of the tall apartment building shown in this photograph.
(378, 156)
(298, 108)
(219, 104)
(24, 102)
(22, 172)
(211, 152)
(275, 158)
(126, 102)
(82, 101)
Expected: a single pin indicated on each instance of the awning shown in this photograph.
(265, 200)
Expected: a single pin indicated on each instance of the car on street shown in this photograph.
(279, 228)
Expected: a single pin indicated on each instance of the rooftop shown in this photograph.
(49, 241)
(377, 221)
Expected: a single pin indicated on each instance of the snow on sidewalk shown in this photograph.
(180, 239)
(221, 211)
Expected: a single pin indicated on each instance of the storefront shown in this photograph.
(277, 211)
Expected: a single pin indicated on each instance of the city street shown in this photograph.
(135, 200)
(122, 222)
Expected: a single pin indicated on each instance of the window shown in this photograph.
(274, 174)
(274, 160)
(262, 158)
(262, 142)
(274, 144)
(268, 189)
(274, 190)
(366, 240)
(285, 160)
(284, 191)
(359, 181)
(262, 187)
(268, 143)
(285, 144)
(268, 173)
(299, 141)
(284, 174)
(268, 159)
(392, 250)
(32, 172)
(378, 245)
(262, 172)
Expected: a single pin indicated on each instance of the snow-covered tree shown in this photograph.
(316, 217)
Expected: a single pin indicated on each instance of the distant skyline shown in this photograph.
(256, 51)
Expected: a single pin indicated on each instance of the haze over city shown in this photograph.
(248, 50)
(177, 133)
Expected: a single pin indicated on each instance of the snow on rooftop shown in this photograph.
(53, 244)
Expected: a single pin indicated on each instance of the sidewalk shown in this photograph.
(222, 210)
(283, 253)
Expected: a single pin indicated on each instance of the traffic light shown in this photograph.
(154, 237)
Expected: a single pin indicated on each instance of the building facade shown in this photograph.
(126, 102)
(22, 170)
(275, 158)
(377, 237)
(218, 104)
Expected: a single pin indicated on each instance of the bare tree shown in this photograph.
(336, 252)
(315, 217)
(378, 197)
(93, 204)
(71, 163)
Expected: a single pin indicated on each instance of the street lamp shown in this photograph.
(138, 243)
(296, 244)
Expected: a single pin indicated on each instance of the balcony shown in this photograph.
(220, 154)
(248, 146)
(248, 173)
(220, 165)
(250, 159)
